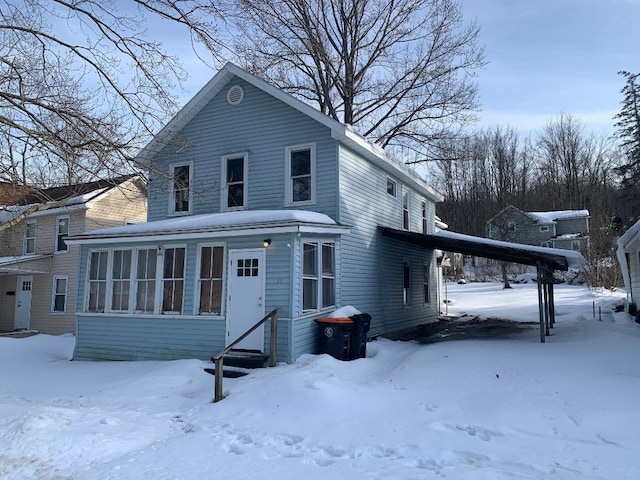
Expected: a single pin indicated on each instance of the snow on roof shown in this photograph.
(574, 259)
(552, 216)
(214, 221)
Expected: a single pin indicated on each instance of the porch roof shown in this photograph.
(553, 258)
(14, 265)
(225, 224)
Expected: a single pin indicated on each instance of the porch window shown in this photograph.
(97, 281)
(29, 244)
(405, 208)
(300, 168)
(318, 284)
(59, 294)
(62, 232)
(146, 280)
(173, 280)
(120, 280)
(211, 266)
(406, 283)
(234, 169)
(181, 188)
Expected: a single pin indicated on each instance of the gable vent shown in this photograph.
(235, 95)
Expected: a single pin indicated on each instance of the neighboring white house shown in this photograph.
(629, 259)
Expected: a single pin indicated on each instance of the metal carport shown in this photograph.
(546, 260)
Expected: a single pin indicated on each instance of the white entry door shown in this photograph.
(23, 302)
(245, 301)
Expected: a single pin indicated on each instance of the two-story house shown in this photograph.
(565, 229)
(256, 201)
(38, 270)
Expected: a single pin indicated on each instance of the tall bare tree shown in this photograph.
(401, 72)
(81, 84)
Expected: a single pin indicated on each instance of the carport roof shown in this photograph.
(553, 258)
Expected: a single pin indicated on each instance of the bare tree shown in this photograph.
(401, 72)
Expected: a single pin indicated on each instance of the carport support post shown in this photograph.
(552, 305)
(545, 287)
(540, 304)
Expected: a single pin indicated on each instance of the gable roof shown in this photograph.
(339, 131)
(552, 216)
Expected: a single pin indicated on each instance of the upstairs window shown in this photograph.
(405, 208)
(234, 171)
(544, 228)
(62, 232)
(424, 216)
(181, 188)
(300, 174)
(29, 243)
(392, 187)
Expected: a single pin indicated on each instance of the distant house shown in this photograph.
(628, 254)
(565, 229)
(256, 201)
(38, 270)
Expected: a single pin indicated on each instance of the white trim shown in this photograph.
(57, 232)
(224, 191)
(312, 173)
(230, 232)
(172, 201)
(318, 242)
(196, 293)
(53, 294)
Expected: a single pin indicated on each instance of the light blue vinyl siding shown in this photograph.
(371, 277)
(261, 126)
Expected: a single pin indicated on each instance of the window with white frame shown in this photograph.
(145, 282)
(173, 280)
(59, 294)
(406, 283)
(425, 283)
(62, 232)
(318, 275)
(210, 279)
(405, 208)
(392, 187)
(300, 171)
(120, 280)
(424, 216)
(97, 281)
(181, 175)
(234, 174)
(29, 243)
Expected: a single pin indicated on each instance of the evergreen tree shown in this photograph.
(628, 125)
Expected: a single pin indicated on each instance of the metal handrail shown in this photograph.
(218, 359)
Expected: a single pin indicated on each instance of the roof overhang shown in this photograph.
(23, 265)
(554, 259)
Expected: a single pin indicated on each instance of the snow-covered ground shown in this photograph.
(472, 409)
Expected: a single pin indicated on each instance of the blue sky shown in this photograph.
(546, 57)
(552, 56)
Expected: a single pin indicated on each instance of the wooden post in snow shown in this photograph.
(540, 304)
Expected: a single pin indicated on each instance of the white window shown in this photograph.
(318, 276)
(173, 280)
(59, 294)
(116, 276)
(145, 282)
(120, 280)
(425, 283)
(405, 208)
(406, 283)
(234, 180)
(424, 216)
(544, 228)
(97, 281)
(210, 280)
(300, 172)
(29, 242)
(181, 191)
(62, 232)
(392, 187)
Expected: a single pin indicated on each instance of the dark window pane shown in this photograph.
(235, 195)
(310, 259)
(235, 170)
(328, 292)
(300, 162)
(302, 189)
(328, 261)
(309, 294)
